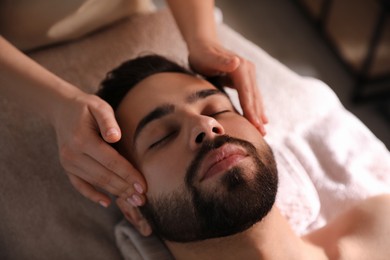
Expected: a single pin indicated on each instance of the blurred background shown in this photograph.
(344, 43)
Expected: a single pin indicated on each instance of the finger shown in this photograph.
(225, 62)
(94, 173)
(128, 210)
(123, 206)
(252, 107)
(89, 191)
(265, 118)
(110, 159)
(242, 83)
(105, 118)
(133, 199)
(258, 101)
(106, 180)
(214, 61)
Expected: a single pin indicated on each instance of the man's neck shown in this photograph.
(272, 238)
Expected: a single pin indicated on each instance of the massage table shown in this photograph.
(327, 159)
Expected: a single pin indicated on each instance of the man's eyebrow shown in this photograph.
(155, 114)
(202, 94)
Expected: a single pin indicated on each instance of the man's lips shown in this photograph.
(221, 160)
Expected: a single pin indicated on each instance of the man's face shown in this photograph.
(209, 171)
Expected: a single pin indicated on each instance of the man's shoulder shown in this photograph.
(363, 232)
(375, 210)
(368, 235)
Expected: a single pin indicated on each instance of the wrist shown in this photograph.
(61, 99)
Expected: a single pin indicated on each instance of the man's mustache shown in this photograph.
(208, 146)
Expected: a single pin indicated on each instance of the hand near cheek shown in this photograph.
(211, 59)
(243, 79)
(83, 126)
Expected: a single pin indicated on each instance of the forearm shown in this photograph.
(28, 83)
(195, 19)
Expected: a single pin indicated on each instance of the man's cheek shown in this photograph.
(153, 178)
(242, 129)
(160, 178)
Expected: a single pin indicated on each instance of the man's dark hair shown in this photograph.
(123, 78)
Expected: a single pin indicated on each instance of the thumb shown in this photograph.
(105, 118)
(226, 62)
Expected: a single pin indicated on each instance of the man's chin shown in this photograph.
(230, 179)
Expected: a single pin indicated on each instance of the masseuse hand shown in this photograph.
(78, 119)
(82, 123)
(211, 59)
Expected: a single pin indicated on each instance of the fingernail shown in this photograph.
(262, 129)
(228, 61)
(265, 119)
(136, 199)
(132, 203)
(138, 188)
(103, 203)
(258, 122)
(112, 131)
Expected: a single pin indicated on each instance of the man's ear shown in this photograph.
(134, 216)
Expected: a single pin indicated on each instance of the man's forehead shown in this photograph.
(157, 90)
(161, 88)
(168, 84)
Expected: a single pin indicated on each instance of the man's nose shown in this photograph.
(204, 128)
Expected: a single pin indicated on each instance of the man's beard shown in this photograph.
(194, 214)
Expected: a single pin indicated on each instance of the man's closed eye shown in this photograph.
(219, 112)
(163, 140)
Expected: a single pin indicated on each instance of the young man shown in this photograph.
(212, 177)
